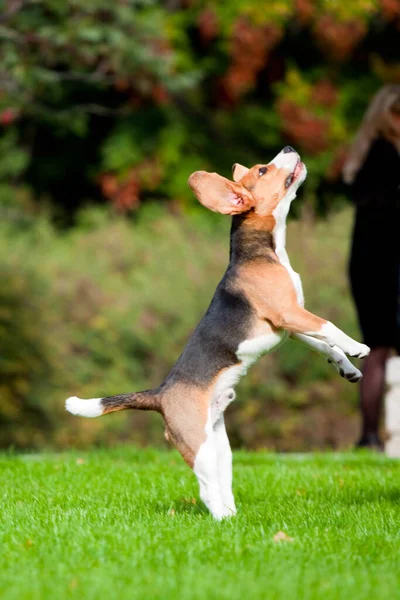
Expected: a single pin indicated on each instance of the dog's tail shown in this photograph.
(95, 407)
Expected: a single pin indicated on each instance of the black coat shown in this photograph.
(375, 253)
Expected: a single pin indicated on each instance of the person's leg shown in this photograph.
(372, 387)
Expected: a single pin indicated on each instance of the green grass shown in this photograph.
(124, 524)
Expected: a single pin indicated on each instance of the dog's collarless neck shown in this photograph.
(251, 238)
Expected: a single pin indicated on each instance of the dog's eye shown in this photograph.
(262, 171)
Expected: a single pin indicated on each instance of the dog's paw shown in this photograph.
(352, 376)
(358, 350)
(224, 513)
(343, 366)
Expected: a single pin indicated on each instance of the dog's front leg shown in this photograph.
(299, 320)
(333, 354)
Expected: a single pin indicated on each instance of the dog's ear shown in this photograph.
(239, 171)
(220, 194)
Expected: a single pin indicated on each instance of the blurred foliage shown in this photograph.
(122, 100)
(112, 308)
(119, 102)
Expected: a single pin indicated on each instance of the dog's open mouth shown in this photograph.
(295, 174)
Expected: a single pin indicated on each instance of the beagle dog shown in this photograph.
(257, 305)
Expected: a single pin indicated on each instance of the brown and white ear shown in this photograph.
(239, 171)
(220, 194)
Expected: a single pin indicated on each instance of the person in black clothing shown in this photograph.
(373, 171)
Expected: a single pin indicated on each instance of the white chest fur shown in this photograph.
(279, 235)
(248, 352)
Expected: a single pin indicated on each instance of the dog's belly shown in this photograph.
(248, 352)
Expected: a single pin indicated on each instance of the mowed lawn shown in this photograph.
(127, 523)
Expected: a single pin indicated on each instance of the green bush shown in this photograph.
(107, 307)
(29, 352)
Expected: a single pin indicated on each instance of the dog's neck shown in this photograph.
(256, 236)
(251, 238)
(279, 232)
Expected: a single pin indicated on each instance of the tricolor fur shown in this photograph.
(257, 305)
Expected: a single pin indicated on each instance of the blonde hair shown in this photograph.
(377, 121)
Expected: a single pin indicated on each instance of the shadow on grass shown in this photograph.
(391, 496)
(180, 506)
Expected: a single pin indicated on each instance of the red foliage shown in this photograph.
(160, 94)
(250, 46)
(134, 89)
(305, 10)
(324, 93)
(122, 84)
(8, 116)
(338, 38)
(108, 184)
(124, 194)
(390, 9)
(208, 26)
(302, 128)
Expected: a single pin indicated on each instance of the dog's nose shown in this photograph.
(288, 149)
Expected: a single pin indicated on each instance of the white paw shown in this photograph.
(231, 509)
(228, 501)
(223, 512)
(344, 367)
(353, 376)
(335, 337)
(358, 350)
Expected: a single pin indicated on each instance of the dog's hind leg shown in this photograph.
(223, 448)
(206, 469)
(221, 403)
(192, 433)
(224, 465)
(334, 355)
